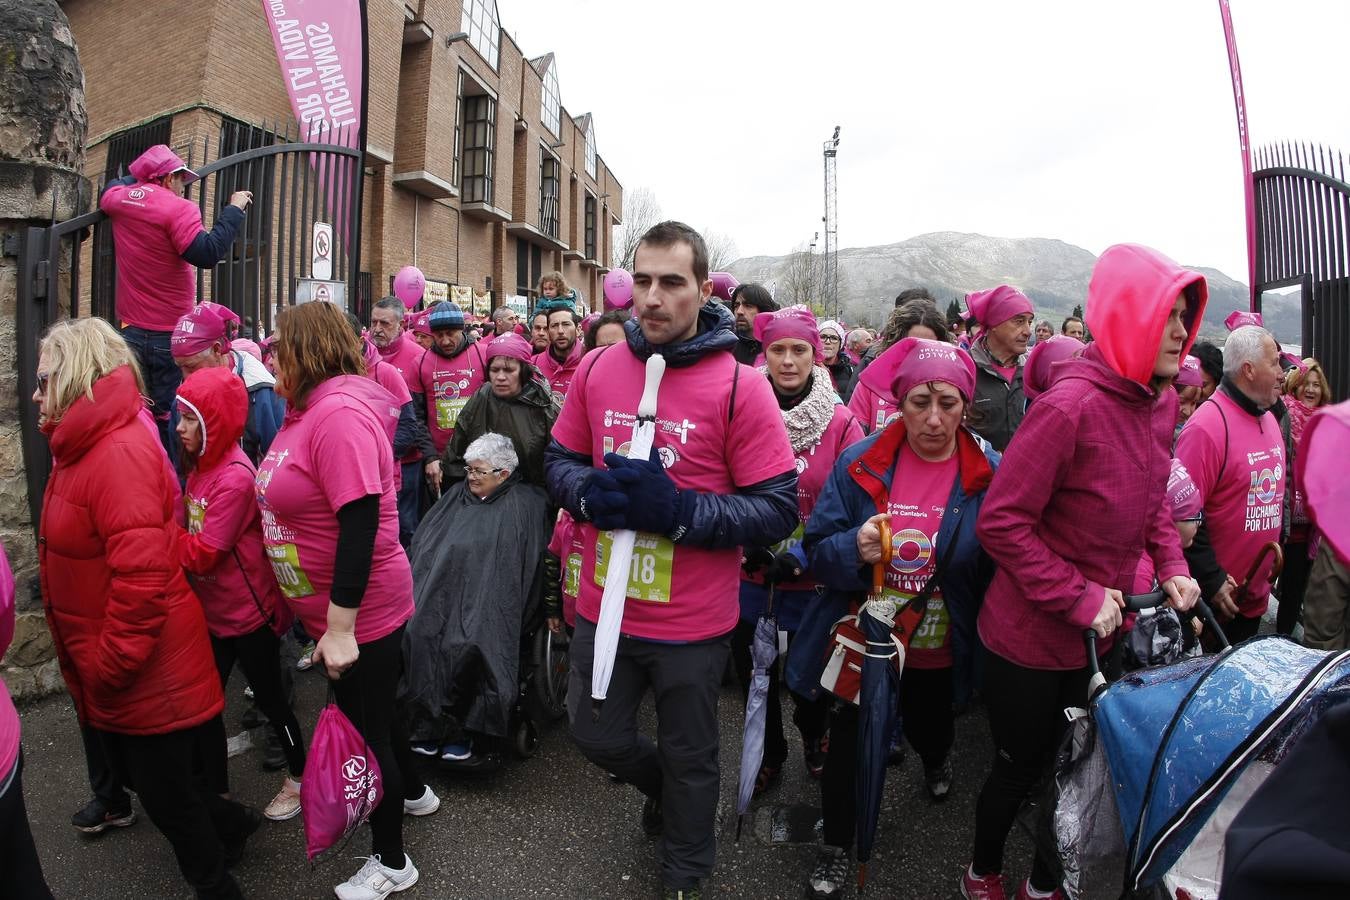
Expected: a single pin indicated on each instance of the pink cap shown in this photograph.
(244, 345)
(1240, 317)
(587, 322)
(511, 345)
(206, 325)
(1320, 468)
(1038, 374)
(997, 305)
(418, 323)
(795, 322)
(1293, 361)
(1182, 495)
(917, 361)
(159, 161)
(1189, 375)
(723, 284)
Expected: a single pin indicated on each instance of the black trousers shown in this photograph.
(20, 869)
(366, 696)
(808, 715)
(680, 767)
(1241, 627)
(103, 779)
(1026, 716)
(1293, 585)
(929, 726)
(258, 654)
(162, 770)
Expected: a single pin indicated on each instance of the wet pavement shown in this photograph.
(549, 826)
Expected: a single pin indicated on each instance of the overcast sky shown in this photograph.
(1083, 120)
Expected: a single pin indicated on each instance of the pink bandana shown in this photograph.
(794, 322)
(916, 361)
(997, 305)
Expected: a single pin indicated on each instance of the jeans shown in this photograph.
(366, 696)
(680, 767)
(196, 820)
(409, 502)
(162, 378)
(258, 654)
(19, 861)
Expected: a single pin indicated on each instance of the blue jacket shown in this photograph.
(265, 408)
(858, 488)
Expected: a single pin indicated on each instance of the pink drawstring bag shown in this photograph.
(341, 785)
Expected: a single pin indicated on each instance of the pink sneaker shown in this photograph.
(1024, 892)
(987, 887)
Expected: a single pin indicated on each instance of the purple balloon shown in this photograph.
(409, 285)
(618, 287)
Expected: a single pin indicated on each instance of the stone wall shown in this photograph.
(42, 135)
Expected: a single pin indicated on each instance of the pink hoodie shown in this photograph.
(1079, 496)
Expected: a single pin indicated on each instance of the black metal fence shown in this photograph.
(1303, 240)
(296, 179)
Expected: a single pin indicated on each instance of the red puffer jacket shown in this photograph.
(129, 633)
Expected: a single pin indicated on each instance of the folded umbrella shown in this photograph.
(881, 666)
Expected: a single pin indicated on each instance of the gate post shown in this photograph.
(42, 133)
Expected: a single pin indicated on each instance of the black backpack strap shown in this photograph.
(735, 379)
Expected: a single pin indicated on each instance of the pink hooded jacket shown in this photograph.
(1079, 495)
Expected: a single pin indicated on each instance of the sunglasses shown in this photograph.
(42, 380)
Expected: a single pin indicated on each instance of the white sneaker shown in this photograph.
(376, 881)
(286, 804)
(424, 805)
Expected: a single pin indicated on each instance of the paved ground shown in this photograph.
(549, 826)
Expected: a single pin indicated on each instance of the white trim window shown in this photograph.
(484, 27)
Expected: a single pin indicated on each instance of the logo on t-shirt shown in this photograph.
(911, 550)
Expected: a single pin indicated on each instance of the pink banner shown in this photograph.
(1244, 139)
(322, 55)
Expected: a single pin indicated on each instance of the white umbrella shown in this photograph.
(621, 552)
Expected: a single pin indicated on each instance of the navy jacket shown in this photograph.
(858, 488)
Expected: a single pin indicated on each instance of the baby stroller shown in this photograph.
(1159, 763)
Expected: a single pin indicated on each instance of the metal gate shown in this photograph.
(295, 183)
(1302, 226)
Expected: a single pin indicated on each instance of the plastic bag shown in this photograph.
(341, 785)
(1155, 640)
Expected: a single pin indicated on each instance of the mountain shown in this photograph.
(950, 264)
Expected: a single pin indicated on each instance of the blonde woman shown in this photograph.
(1306, 391)
(129, 633)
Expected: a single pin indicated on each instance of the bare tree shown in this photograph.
(640, 212)
(800, 280)
(721, 250)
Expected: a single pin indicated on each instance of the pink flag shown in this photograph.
(1244, 140)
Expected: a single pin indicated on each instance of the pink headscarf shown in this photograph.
(159, 161)
(1189, 375)
(993, 307)
(1240, 317)
(723, 284)
(418, 323)
(916, 361)
(794, 322)
(206, 325)
(510, 345)
(1182, 495)
(1037, 374)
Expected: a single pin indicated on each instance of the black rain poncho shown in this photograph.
(477, 577)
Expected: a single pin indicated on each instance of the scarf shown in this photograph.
(806, 422)
(1299, 414)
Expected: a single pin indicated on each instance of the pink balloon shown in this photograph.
(723, 284)
(409, 285)
(618, 287)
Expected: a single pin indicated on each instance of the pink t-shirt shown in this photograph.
(152, 228)
(813, 469)
(403, 354)
(448, 384)
(240, 595)
(334, 451)
(1007, 373)
(567, 546)
(1244, 504)
(873, 410)
(919, 494)
(680, 593)
(559, 374)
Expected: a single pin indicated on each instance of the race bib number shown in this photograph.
(653, 562)
(196, 516)
(792, 540)
(932, 631)
(572, 581)
(448, 410)
(285, 559)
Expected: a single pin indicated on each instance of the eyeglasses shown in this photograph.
(828, 339)
(483, 473)
(42, 379)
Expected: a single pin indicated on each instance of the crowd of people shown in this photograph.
(414, 499)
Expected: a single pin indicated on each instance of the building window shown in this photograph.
(529, 267)
(552, 99)
(478, 114)
(590, 227)
(125, 147)
(590, 150)
(549, 191)
(484, 28)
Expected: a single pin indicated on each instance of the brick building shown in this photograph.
(474, 172)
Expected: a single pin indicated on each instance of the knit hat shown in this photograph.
(917, 361)
(445, 314)
(797, 322)
(1037, 375)
(510, 345)
(995, 306)
(834, 328)
(199, 330)
(1187, 376)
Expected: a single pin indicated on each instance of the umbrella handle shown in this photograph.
(879, 570)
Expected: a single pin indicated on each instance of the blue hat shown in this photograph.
(445, 314)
